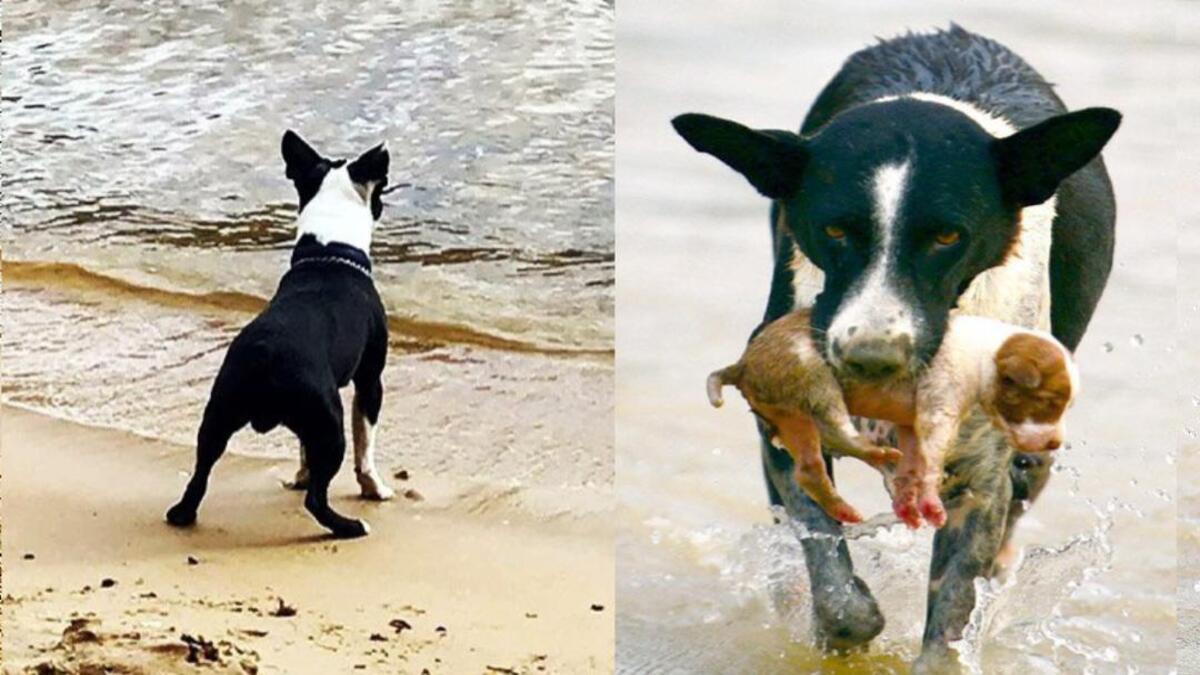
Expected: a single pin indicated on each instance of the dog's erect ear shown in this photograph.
(370, 170)
(371, 166)
(298, 156)
(772, 160)
(1031, 163)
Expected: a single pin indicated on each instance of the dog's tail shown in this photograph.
(718, 379)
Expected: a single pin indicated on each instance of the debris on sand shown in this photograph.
(283, 610)
(400, 625)
(377, 637)
(596, 607)
(402, 474)
(199, 648)
(412, 495)
(193, 560)
(107, 582)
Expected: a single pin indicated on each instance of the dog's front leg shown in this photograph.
(365, 415)
(977, 492)
(845, 613)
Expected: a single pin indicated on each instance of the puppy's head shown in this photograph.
(355, 184)
(1036, 381)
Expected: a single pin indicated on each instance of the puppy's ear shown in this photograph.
(370, 171)
(371, 166)
(1031, 163)
(772, 160)
(298, 156)
(1019, 370)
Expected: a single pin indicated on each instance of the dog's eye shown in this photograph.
(947, 237)
(835, 233)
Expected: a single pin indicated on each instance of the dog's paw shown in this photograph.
(300, 482)
(374, 489)
(351, 529)
(181, 516)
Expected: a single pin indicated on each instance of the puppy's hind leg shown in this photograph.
(218, 425)
(368, 398)
(318, 423)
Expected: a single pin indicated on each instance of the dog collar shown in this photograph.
(309, 250)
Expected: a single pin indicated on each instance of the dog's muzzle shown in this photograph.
(873, 359)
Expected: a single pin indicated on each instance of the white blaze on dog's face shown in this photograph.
(1036, 381)
(339, 201)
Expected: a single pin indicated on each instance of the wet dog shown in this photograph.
(324, 329)
(935, 171)
(1025, 380)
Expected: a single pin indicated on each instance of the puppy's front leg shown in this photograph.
(363, 429)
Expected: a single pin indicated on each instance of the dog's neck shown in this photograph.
(338, 213)
(310, 250)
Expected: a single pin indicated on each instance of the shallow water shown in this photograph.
(148, 210)
(144, 139)
(705, 582)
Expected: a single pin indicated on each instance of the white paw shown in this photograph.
(373, 488)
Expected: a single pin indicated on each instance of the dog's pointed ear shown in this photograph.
(1031, 163)
(371, 166)
(772, 160)
(370, 170)
(298, 156)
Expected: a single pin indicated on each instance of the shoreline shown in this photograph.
(471, 578)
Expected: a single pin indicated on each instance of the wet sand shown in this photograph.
(456, 581)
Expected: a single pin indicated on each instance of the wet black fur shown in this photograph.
(961, 180)
(324, 329)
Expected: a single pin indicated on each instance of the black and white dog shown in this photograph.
(324, 329)
(934, 173)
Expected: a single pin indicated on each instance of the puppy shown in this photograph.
(324, 328)
(1025, 380)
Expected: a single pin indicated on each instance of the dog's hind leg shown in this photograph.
(318, 423)
(368, 398)
(300, 482)
(845, 613)
(977, 492)
(218, 425)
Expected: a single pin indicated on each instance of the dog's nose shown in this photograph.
(877, 359)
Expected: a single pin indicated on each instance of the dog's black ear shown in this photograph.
(370, 170)
(772, 160)
(298, 156)
(1031, 163)
(371, 166)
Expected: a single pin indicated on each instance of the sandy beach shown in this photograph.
(453, 579)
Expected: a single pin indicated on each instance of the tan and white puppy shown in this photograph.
(1024, 379)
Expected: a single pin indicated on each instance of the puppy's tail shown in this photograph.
(718, 379)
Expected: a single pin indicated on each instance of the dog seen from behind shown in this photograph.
(324, 329)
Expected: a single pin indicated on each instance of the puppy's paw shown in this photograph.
(932, 509)
(181, 515)
(881, 456)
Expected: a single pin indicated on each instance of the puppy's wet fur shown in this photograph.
(324, 329)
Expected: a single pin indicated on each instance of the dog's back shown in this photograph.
(324, 322)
